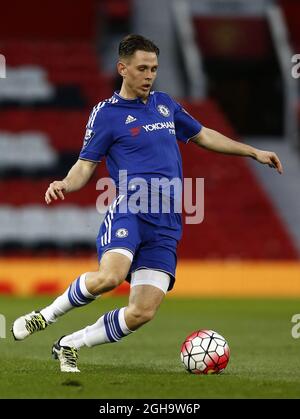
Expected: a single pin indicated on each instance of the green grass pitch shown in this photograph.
(265, 359)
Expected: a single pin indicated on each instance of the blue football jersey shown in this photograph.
(139, 138)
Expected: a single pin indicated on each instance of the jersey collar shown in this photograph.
(136, 101)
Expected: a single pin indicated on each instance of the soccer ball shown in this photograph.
(205, 352)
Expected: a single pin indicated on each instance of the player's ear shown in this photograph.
(121, 68)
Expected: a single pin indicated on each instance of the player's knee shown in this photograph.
(109, 280)
(141, 315)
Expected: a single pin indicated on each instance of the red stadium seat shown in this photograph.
(118, 9)
(71, 63)
(291, 10)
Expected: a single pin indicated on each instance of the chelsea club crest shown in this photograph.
(121, 233)
(163, 110)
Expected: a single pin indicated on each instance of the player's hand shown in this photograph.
(270, 158)
(55, 190)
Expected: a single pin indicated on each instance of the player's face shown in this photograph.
(140, 72)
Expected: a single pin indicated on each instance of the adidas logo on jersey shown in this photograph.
(130, 119)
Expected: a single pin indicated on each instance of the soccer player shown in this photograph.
(135, 130)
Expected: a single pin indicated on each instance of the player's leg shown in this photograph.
(148, 288)
(116, 243)
(113, 270)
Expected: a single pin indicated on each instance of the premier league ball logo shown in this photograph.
(88, 136)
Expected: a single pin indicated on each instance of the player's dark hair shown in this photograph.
(133, 42)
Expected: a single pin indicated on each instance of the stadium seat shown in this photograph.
(291, 10)
(71, 63)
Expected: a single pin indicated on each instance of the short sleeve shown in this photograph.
(98, 137)
(186, 126)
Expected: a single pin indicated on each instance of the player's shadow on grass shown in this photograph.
(72, 383)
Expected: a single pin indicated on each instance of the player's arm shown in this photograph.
(77, 178)
(215, 141)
